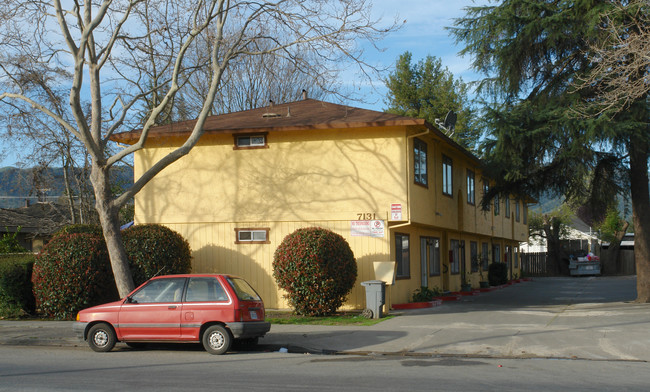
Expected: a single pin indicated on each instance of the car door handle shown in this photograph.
(172, 307)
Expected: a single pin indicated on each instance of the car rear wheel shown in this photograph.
(101, 338)
(217, 340)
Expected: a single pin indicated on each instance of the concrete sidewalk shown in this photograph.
(578, 318)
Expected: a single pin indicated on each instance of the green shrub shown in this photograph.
(156, 249)
(72, 272)
(425, 294)
(16, 297)
(498, 274)
(317, 269)
(9, 243)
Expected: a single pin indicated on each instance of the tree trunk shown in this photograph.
(609, 257)
(638, 149)
(555, 255)
(109, 219)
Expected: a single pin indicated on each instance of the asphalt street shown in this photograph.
(591, 318)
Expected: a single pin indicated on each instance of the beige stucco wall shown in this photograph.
(327, 178)
(299, 181)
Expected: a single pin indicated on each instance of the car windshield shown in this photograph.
(243, 290)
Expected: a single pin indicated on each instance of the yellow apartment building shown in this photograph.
(395, 187)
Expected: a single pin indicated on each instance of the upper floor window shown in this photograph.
(471, 188)
(525, 213)
(447, 176)
(420, 162)
(486, 189)
(251, 141)
(252, 236)
(507, 203)
(497, 205)
(517, 210)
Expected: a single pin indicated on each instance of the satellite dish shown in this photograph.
(450, 121)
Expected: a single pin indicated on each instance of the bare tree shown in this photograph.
(622, 62)
(111, 47)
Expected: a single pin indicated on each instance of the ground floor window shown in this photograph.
(252, 236)
(485, 255)
(473, 253)
(496, 251)
(402, 255)
(430, 248)
(455, 257)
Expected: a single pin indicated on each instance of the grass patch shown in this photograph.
(339, 318)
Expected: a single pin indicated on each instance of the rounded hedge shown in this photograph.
(156, 250)
(317, 269)
(498, 274)
(72, 272)
(16, 296)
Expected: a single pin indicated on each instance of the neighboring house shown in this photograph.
(395, 187)
(580, 238)
(34, 223)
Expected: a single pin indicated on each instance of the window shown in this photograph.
(402, 255)
(243, 290)
(517, 210)
(496, 251)
(250, 141)
(432, 247)
(205, 289)
(486, 189)
(507, 202)
(516, 257)
(447, 177)
(525, 213)
(471, 188)
(252, 236)
(473, 251)
(497, 205)
(485, 255)
(420, 162)
(455, 259)
(160, 290)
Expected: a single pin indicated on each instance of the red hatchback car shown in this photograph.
(211, 309)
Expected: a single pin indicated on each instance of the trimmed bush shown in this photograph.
(72, 272)
(9, 243)
(497, 274)
(156, 249)
(16, 297)
(317, 269)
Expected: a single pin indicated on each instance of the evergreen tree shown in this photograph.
(429, 91)
(533, 53)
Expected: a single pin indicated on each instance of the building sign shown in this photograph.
(367, 228)
(396, 212)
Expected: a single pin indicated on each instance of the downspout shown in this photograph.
(408, 176)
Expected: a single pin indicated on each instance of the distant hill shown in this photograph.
(18, 185)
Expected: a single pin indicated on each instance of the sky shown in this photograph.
(423, 33)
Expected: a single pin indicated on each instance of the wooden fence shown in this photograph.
(534, 264)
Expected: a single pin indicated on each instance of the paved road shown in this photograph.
(590, 318)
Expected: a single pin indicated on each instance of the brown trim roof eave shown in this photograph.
(453, 143)
(133, 136)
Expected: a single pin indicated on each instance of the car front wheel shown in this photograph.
(217, 340)
(101, 338)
